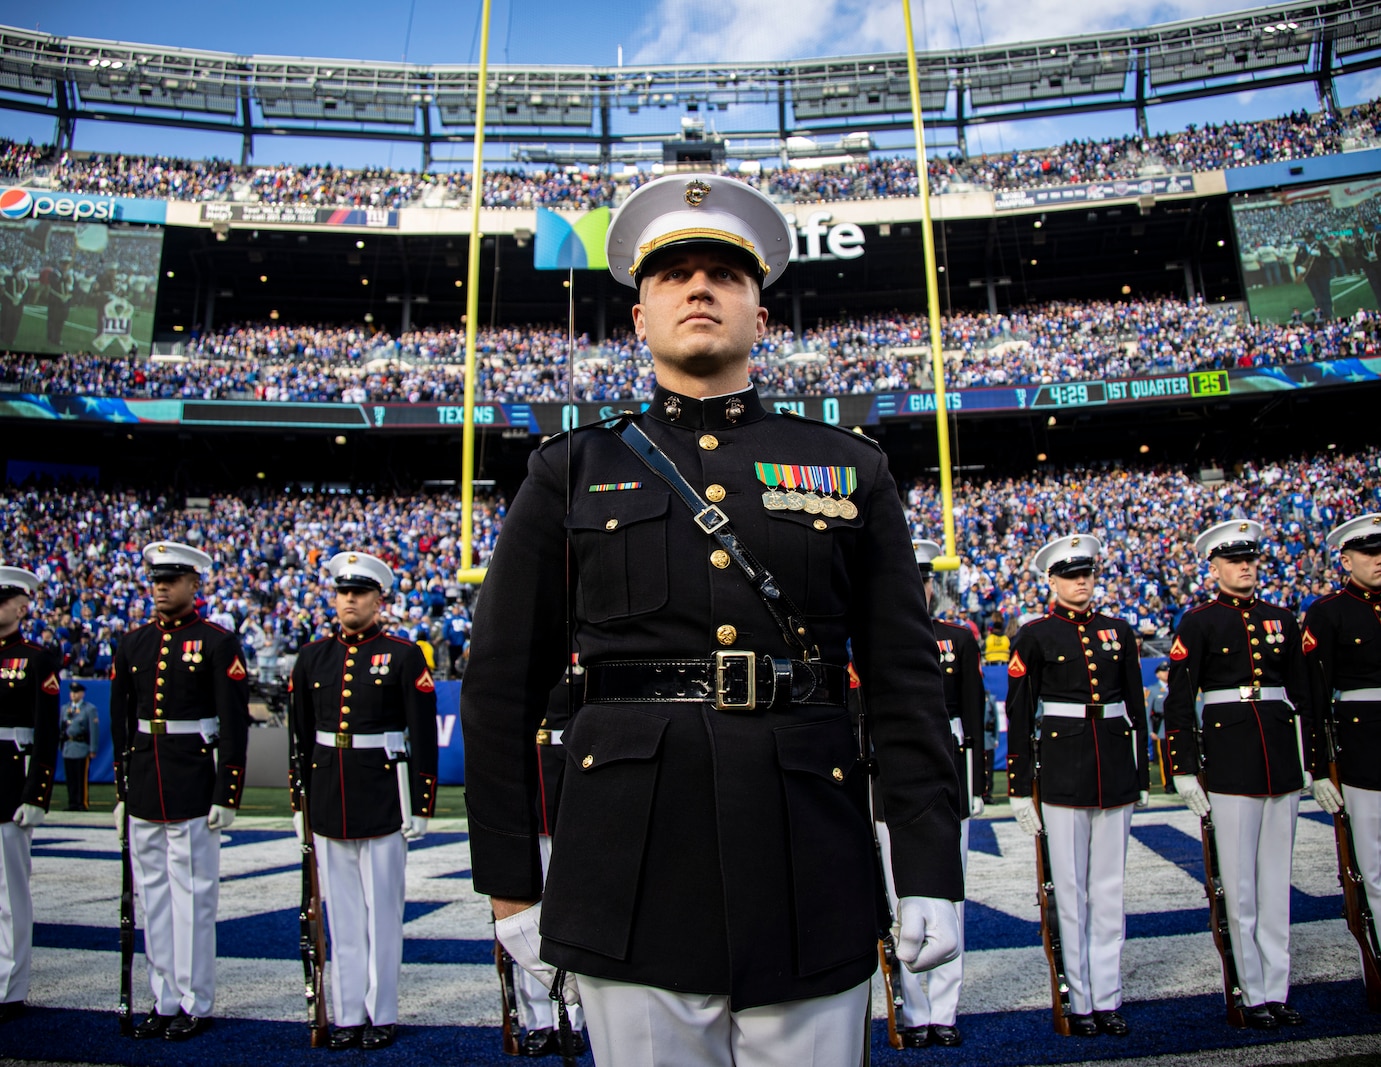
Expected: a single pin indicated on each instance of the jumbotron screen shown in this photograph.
(1311, 251)
(70, 286)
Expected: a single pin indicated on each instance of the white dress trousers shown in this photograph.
(1088, 865)
(931, 997)
(177, 874)
(1364, 809)
(16, 912)
(1256, 845)
(536, 1009)
(362, 886)
(642, 1026)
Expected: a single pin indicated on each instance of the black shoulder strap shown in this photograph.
(790, 619)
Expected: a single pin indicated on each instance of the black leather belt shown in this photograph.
(731, 680)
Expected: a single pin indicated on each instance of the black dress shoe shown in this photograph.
(543, 1042)
(1284, 1014)
(1110, 1022)
(187, 1026)
(1082, 1026)
(153, 1025)
(1260, 1018)
(343, 1037)
(11, 1009)
(914, 1036)
(948, 1036)
(378, 1036)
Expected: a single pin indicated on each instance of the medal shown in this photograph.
(813, 504)
(848, 510)
(1117, 646)
(187, 657)
(829, 507)
(383, 669)
(1107, 646)
(795, 501)
(196, 657)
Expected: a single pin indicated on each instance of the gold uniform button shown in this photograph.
(949, 670)
(351, 662)
(160, 681)
(1256, 655)
(344, 710)
(709, 442)
(1081, 630)
(348, 678)
(345, 692)
(1091, 666)
(821, 524)
(1256, 640)
(612, 524)
(1088, 652)
(726, 634)
(719, 558)
(344, 725)
(1256, 671)
(715, 493)
(588, 762)
(1251, 627)
(163, 665)
(837, 775)
(1096, 697)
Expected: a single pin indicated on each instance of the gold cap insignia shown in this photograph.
(696, 192)
(1073, 541)
(352, 558)
(162, 548)
(1376, 520)
(1243, 527)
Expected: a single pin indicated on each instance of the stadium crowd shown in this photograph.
(270, 584)
(1147, 519)
(269, 581)
(1034, 344)
(1195, 149)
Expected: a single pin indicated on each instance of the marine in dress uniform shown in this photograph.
(713, 883)
(536, 1010)
(931, 999)
(364, 734)
(1342, 645)
(179, 722)
(1075, 677)
(1246, 658)
(28, 758)
(79, 723)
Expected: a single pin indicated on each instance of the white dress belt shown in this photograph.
(22, 736)
(1245, 693)
(392, 742)
(208, 728)
(1115, 710)
(956, 727)
(1360, 694)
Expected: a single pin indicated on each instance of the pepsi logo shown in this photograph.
(16, 203)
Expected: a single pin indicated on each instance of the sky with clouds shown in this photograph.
(643, 31)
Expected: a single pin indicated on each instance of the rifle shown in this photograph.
(312, 938)
(1218, 919)
(1356, 910)
(887, 960)
(1050, 920)
(508, 999)
(887, 944)
(126, 1009)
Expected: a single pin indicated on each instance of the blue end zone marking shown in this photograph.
(982, 837)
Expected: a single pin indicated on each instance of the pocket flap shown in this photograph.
(606, 734)
(825, 749)
(609, 511)
(807, 519)
(1062, 726)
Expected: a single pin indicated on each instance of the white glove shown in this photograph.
(298, 827)
(1143, 799)
(521, 935)
(1024, 808)
(1326, 793)
(1308, 782)
(220, 818)
(416, 829)
(1195, 799)
(975, 807)
(929, 932)
(29, 816)
(120, 819)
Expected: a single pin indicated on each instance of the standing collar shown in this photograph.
(1237, 603)
(1353, 589)
(714, 413)
(179, 622)
(367, 634)
(1059, 611)
(16, 638)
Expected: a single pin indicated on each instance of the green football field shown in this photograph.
(77, 332)
(1276, 303)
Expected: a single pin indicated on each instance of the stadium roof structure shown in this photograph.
(577, 113)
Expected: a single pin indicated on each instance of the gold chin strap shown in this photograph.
(697, 233)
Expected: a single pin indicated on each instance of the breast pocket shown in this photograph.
(619, 535)
(821, 586)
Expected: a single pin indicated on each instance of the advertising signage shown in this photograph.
(17, 204)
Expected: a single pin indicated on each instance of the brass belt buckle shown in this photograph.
(342, 740)
(1249, 692)
(157, 726)
(730, 660)
(544, 736)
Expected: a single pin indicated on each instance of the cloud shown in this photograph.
(764, 30)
